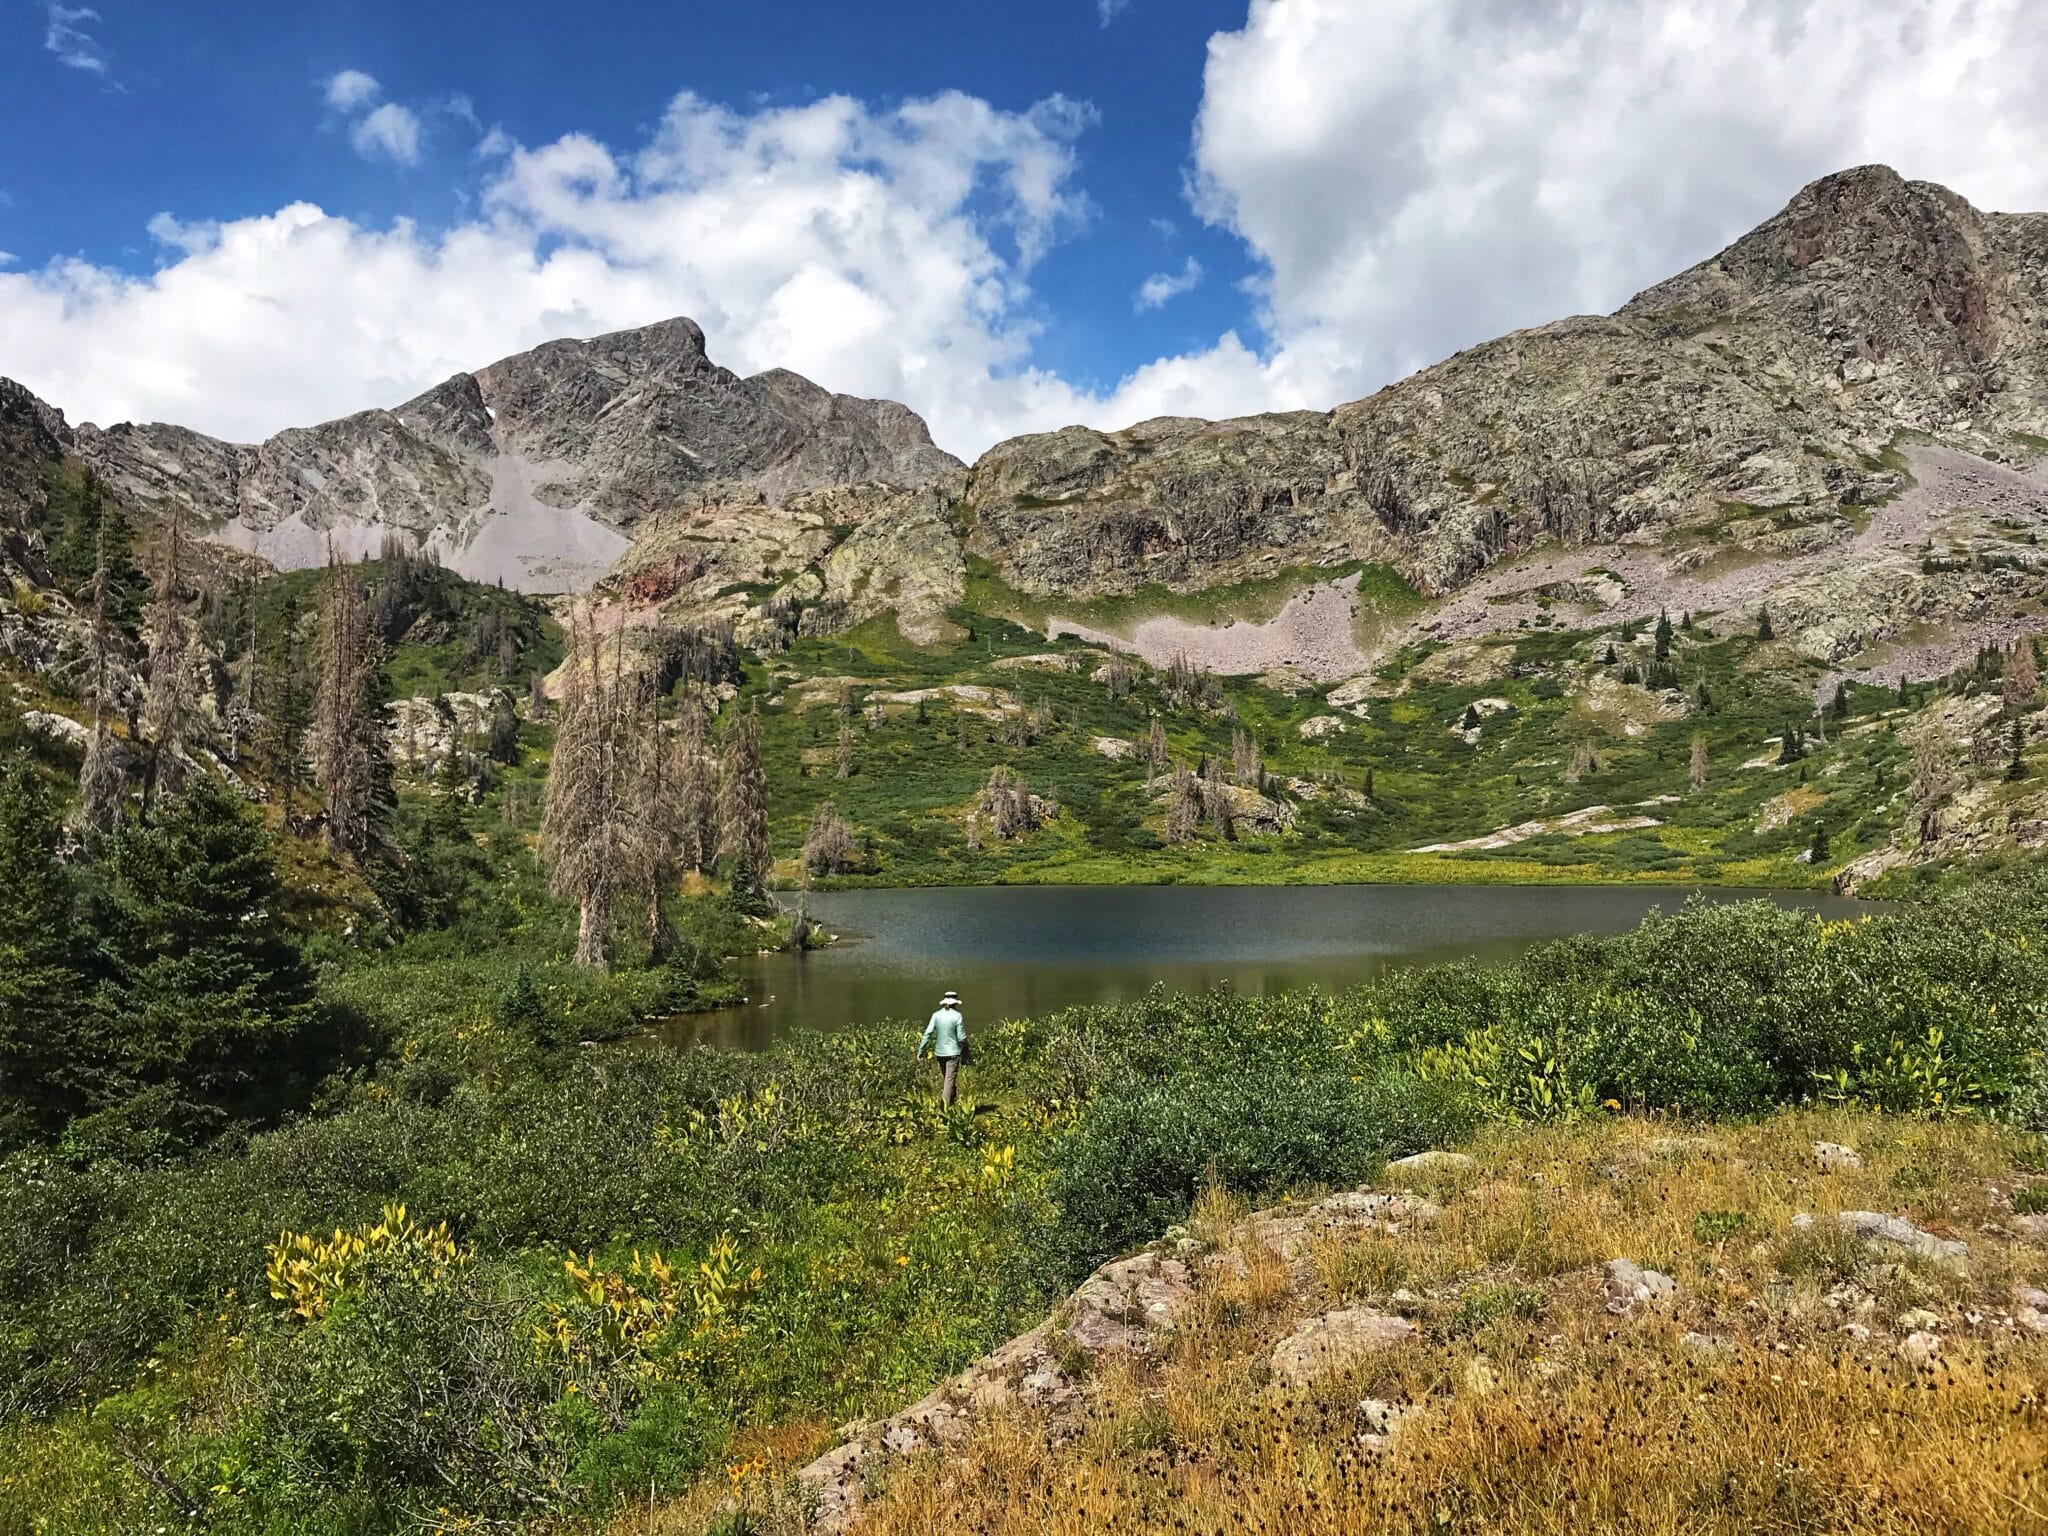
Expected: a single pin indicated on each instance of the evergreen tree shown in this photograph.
(1839, 706)
(351, 763)
(287, 710)
(2017, 768)
(90, 535)
(1663, 636)
(46, 1012)
(1905, 698)
(1471, 720)
(743, 812)
(1792, 746)
(1817, 851)
(210, 997)
(1763, 625)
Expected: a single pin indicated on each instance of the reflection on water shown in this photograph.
(1017, 951)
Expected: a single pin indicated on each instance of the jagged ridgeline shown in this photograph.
(1585, 570)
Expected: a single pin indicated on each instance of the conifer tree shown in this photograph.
(46, 1010)
(1663, 636)
(210, 996)
(103, 778)
(743, 811)
(1216, 798)
(1763, 625)
(287, 710)
(1839, 705)
(1183, 807)
(1817, 851)
(1933, 785)
(2016, 769)
(166, 699)
(590, 832)
(2022, 678)
(1244, 757)
(350, 761)
(696, 830)
(828, 846)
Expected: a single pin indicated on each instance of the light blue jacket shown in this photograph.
(945, 1035)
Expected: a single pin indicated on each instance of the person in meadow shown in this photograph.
(946, 1038)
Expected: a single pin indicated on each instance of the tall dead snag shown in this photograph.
(1183, 806)
(1244, 758)
(590, 830)
(1698, 774)
(696, 776)
(1155, 748)
(102, 780)
(2022, 678)
(167, 701)
(828, 847)
(743, 810)
(656, 793)
(1216, 798)
(350, 758)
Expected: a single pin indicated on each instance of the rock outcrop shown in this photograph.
(1126, 1308)
(535, 470)
(1771, 377)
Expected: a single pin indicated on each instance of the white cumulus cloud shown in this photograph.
(880, 252)
(1161, 287)
(1414, 176)
(390, 130)
(351, 88)
(381, 128)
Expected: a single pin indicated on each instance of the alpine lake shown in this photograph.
(1027, 951)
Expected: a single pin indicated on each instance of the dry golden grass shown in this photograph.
(1531, 1409)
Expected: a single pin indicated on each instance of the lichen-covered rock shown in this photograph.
(1879, 1230)
(1434, 1161)
(1627, 1285)
(1336, 1341)
(1833, 1157)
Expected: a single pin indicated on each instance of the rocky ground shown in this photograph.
(1615, 1325)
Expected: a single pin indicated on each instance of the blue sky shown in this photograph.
(226, 118)
(245, 216)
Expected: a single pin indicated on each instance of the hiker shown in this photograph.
(946, 1037)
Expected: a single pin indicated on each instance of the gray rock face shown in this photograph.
(1770, 376)
(533, 470)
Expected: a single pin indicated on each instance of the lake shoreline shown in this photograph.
(1029, 950)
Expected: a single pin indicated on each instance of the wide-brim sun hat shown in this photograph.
(950, 997)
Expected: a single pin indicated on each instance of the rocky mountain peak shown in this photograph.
(535, 469)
